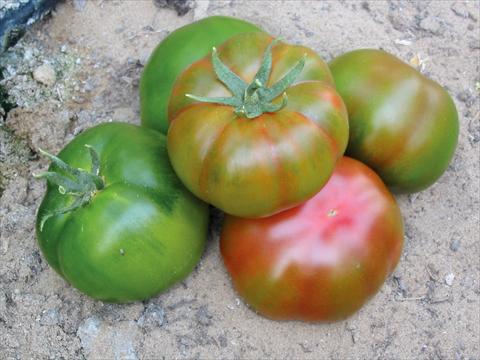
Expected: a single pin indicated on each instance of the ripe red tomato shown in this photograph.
(322, 260)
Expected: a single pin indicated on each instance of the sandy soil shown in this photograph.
(428, 309)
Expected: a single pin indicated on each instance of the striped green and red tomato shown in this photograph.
(255, 158)
(322, 260)
(402, 124)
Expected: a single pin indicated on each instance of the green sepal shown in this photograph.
(285, 82)
(78, 183)
(231, 101)
(231, 80)
(255, 99)
(265, 69)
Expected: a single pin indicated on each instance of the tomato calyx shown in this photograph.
(80, 184)
(254, 99)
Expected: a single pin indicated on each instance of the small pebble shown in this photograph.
(28, 54)
(464, 95)
(79, 5)
(153, 316)
(455, 245)
(203, 316)
(449, 279)
(50, 317)
(45, 74)
(223, 341)
(78, 99)
(431, 25)
(404, 42)
(89, 85)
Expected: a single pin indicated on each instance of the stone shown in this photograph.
(455, 245)
(431, 25)
(45, 74)
(88, 331)
(153, 316)
(79, 5)
(203, 316)
(449, 279)
(50, 317)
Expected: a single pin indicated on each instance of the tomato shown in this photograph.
(123, 227)
(178, 50)
(403, 125)
(322, 260)
(270, 146)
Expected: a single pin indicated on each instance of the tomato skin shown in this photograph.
(402, 124)
(138, 235)
(322, 260)
(257, 167)
(178, 50)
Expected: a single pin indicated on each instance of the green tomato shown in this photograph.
(123, 227)
(178, 50)
(402, 124)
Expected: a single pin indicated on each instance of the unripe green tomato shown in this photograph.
(402, 124)
(139, 232)
(178, 50)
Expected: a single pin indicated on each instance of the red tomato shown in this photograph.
(322, 260)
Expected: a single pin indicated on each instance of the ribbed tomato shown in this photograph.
(270, 146)
(322, 260)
